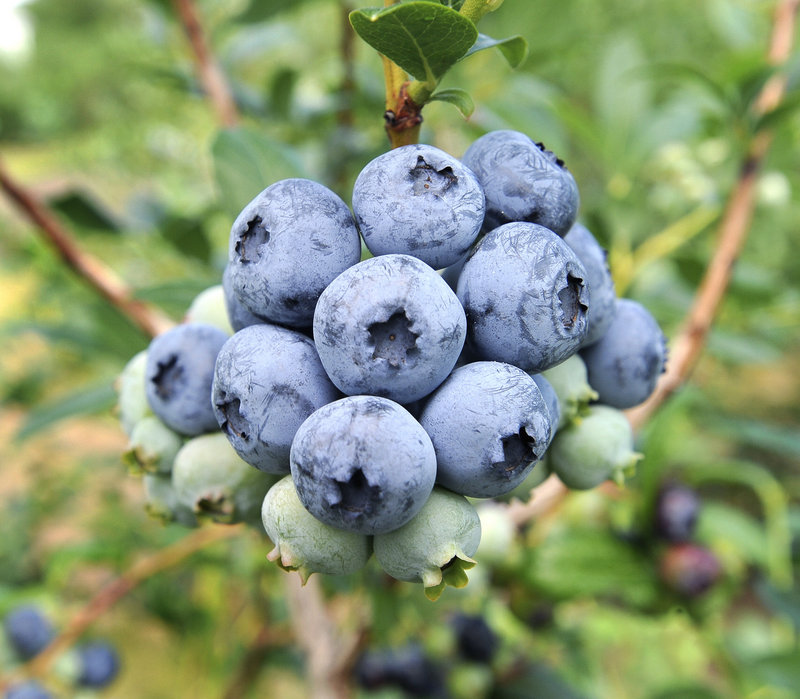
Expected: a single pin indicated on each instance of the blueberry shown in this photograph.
(689, 569)
(418, 200)
(407, 668)
(624, 365)
(676, 509)
(523, 181)
(210, 306)
(267, 380)
(132, 403)
(435, 546)
(363, 464)
(475, 639)
(571, 385)
(28, 630)
(551, 401)
(303, 543)
(161, 501)
(525, 298)
(593, 449)
(180, 369)
(286, 246)
(27, 690)
(389, 326)
(602, 293)
(152, 447)
(238, 314)
(210, 479)
(489, 425)
(98, 663)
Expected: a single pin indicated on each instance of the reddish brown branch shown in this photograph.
(96, 273)
(118, 588)
(211, 76)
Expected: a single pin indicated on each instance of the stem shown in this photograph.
(102, 278)
(118, 588)
(210, 73)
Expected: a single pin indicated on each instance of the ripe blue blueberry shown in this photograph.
(624, 365)
(676, 510)
(363, 464)
(286, 246)
(267, 380)
(28, 631)
(602, 294)
(389, 326)
(180, 369)
(418, 200)
(489, 425)
(98, 664)
(238, 314)
(524, 294)
(475, 639)
(523, 181)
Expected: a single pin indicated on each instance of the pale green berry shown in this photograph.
(497, 533)
(132, 403)
(435, 546)
(152, 447)
(161, 501)
(303, 543)
(209, 307)
(569, 381)
(594, 449)
(211, 479)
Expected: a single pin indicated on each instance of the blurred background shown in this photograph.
(649, 104)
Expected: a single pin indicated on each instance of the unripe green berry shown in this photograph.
(497, 533)
(209, 307)
(435, 546)
(594, 449)
(569, 381)
(211, 479)
(305, 544)
(132, 403)
(161, 501)
(152, 447)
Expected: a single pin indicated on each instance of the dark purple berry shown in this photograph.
(475, 639)
(677, 508)
(689, 569)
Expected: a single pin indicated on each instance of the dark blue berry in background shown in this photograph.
(418, 200)
(523, 181)
(475, 639)
(690, 570)
(98, 664)
(27, 690)
(28, 631)
(179, 374)
(407, 668)
(676, 512)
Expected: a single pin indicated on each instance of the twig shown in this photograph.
(211, 76)
(734, 227)
(118, 588)
(101, 277)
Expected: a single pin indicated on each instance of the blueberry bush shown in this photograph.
(458, 278)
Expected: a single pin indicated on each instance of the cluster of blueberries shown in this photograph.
(354, 405)
(90, 666)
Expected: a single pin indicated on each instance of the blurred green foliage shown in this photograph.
(647, 103)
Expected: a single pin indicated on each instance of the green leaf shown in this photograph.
(513, 48)
(424, 38)
(187, 236)
(83, 211)
(455, 4)
(88, 401)
(246, 162)
(460, 99)
(788, 108)
(722, 525)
